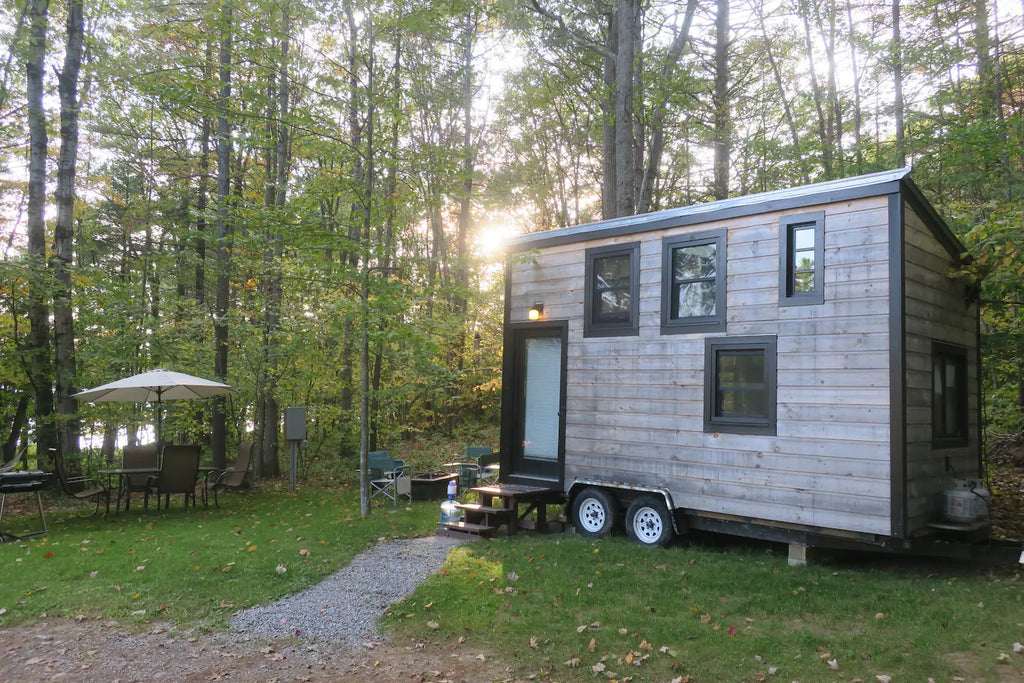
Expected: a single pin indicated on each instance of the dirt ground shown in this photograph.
(84, 650)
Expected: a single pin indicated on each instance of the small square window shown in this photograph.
(611, 300)
(693, 283)
(949, 395)
(801, 257)
(740, 385)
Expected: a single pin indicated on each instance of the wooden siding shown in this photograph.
(635, 404)
(936, 309)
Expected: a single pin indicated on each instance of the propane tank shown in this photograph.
(449, 513)
(960, 506)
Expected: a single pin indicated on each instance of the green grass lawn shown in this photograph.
(193, 568)
(560, 607)
(570, 608)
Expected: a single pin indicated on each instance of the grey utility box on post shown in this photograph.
(294, 433)
(295, 424)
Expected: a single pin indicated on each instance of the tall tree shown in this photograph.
(722, 126)
(220, 325)
(40, 368)
(64, 230)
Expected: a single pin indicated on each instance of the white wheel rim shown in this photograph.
(592, 515)
(647, 525)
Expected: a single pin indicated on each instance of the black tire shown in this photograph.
(648, 522)
(593, 513)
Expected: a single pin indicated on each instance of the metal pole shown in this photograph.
(293, 466)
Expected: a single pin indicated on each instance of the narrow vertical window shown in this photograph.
(693, 283)
(801, 256)
(611, 299)
(949, 395)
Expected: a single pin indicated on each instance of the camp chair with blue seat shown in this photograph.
(479, 466)
(389, 477)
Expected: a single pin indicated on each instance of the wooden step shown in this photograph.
(465, 528)
(483, 509)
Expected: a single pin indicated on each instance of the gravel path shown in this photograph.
(345, 606)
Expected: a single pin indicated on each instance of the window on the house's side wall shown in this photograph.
(801, 256)
(949, 395)
(693, 283)
(740, 384)
(612, 297)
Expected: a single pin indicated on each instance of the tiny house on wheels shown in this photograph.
(799, 365)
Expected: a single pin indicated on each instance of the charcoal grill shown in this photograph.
(30, 481)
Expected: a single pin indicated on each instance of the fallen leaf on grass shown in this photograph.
(882, 678)
(598, 668)
(281, 569)
(592, 645)
(833, 664)
(304, 552)
(646, 647)
(574, 663)
(433, 625)
(1017, 647)
(1003, 658)
(534, 643)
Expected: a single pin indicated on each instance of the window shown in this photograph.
(612, 296)
(693, 283)
(740, 385)
(949, 395)
(801, 256)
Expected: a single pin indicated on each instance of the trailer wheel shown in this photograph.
(593, 512)
(648, 522)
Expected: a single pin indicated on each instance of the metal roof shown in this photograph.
(869, 185)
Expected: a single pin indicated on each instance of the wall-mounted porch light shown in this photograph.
(536, 311)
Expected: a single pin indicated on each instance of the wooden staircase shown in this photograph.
(483, 520)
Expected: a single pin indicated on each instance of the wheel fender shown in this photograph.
(624, 492)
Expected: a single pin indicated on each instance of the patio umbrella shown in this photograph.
(155, 386)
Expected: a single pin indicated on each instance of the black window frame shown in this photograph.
(943, 436)
(762, 425)
(787, 227)
(706, 323)
(597, 328)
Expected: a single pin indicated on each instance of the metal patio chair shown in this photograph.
(179, 471)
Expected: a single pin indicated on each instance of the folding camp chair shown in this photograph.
(389, 477)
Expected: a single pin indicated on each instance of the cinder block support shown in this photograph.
(802, 555)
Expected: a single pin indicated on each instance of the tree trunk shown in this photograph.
(39, 366)
(823, 126)
(897, 84)
(18, 423)
(625, 172)
(723, 119)
(220, 322)
(858, 153)
(64, 243)
(780, 85)
(609, 156)
(272, 259)
(657, 127)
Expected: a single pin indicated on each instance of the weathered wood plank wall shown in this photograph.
(635, 404)
(936, 310)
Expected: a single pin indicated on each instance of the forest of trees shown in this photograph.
(296, 197)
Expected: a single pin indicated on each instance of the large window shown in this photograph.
(740, 385)
(949, 395)
(612, 296)
(801, 252)
(693, 283)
